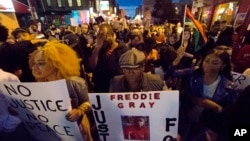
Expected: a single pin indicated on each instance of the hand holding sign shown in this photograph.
(180, 54)
(119, 123)
(12, 111)
(74, 115)
(42, 115)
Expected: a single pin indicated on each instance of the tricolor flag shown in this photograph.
(200, 37)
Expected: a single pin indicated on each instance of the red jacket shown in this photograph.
(136, 133)
(243, 59)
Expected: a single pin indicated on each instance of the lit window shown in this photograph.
(49, 2)
(79, 2)
(59, 3)
(70, 3)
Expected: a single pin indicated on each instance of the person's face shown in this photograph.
(103, 31)
(212, 64)
(135, 41)
(78, 31)
(41, 70)
(140, 122)
(133, 75)
(96, 28)
(187, 35)
(234, 36)
(172, 40)
(23, 36)
(85, 29)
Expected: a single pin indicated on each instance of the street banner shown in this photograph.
(133, 116)
(43, 107)
(241, 81)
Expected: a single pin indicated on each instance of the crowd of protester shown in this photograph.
(118, 57)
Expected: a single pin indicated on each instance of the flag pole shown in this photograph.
(181, 49)
(184, 20)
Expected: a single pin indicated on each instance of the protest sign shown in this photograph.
(42, 106)
(240, 80)
(118, 115)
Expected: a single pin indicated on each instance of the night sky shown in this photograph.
(129, 6)
(129, 2)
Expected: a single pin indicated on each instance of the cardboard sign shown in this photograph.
(240, 80)
(6, 6)
(42, 106)
(147, 116)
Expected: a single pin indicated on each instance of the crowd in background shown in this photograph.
(120, 57)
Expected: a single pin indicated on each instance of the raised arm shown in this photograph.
(93, 59)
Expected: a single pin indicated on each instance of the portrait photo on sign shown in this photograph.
(135, 127)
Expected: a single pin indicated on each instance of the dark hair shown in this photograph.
(173, 34)
(224, 21)
(239, 111)
(191, 42)
(247, 38)
(132, 36)
(217, 22)
(187, 28)
(109, 35)
(224, 37)
(167, 56)
(149, 44)
(4, 33)
(242, 102)
(224, 56)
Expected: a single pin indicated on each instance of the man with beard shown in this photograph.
(104, 59)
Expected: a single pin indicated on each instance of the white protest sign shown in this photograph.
(42, 107)
(240, 80)
(73, 22)
(116, 115)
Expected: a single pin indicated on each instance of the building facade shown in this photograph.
(69, 12)
(235, 12)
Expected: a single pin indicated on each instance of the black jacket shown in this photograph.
(16, 56)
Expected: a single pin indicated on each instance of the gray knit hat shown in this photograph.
(133, 58)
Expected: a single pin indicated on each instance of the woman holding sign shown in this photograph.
(57, 61)
(211, 91)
